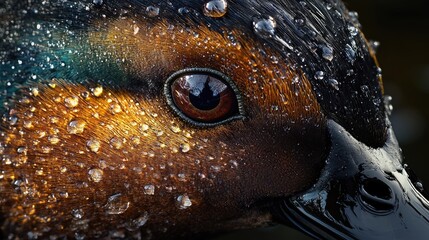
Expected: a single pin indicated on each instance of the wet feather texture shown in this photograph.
(92, 147)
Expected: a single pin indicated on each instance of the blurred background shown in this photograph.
(402, 28)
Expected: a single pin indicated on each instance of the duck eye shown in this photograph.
(203, 97)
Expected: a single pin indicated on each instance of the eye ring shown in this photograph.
(168, 92)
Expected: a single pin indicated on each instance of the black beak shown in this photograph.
(363, 193)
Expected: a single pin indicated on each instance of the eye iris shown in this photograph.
(203, 98)
(206, 97)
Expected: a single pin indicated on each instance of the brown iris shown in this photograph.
(203, 97)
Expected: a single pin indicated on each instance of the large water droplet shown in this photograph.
(116, 143)
(152, 11)
(71, 102)
(185, 147)
(95, 174)
(93, 145)
(116, 204)
(76, 126)
(215, 8)
(97, 91)
(264, 26)
(184, 201)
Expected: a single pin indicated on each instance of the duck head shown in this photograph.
(162, 119)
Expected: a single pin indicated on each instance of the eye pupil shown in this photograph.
(206, 99)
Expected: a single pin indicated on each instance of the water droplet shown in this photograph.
(388, 104)
(334, 84)
(175, 129)
(374, 45)
(34, 235)
(54, 119)
(215, 8)
(379, 73)
(63, 169)
(364, 89)
(149, 189)
(98, 2)
(21, 150)
(152, 11)
(77, 213)
(215, 168)
(274, 59)
(137, 223)
(354, 16)
(159, 133)
(93, 145)
(144, 127)
(116, 204)
(35, 91)
(64, 194)
(13, 120)
(95, 174)
(54, 139)
(264, 26)
(79, 236)
(353, 30)
(299, 21)
(115, 108)
(183, 10)
(116, 143)
(97, 91)
(28, 124)
(183, 201)
(71, 102)
(185, 147)
(328, 52)
(76, 126)
(350, 53)
(85, 95)
(135, 140)
(136, 29)
(319, 75)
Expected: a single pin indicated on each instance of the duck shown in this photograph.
(144, 119)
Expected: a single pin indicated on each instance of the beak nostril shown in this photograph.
(377, 188)
(377, 196)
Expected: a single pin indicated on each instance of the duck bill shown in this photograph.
(363, 193)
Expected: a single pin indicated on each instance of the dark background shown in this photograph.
(402, 28)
